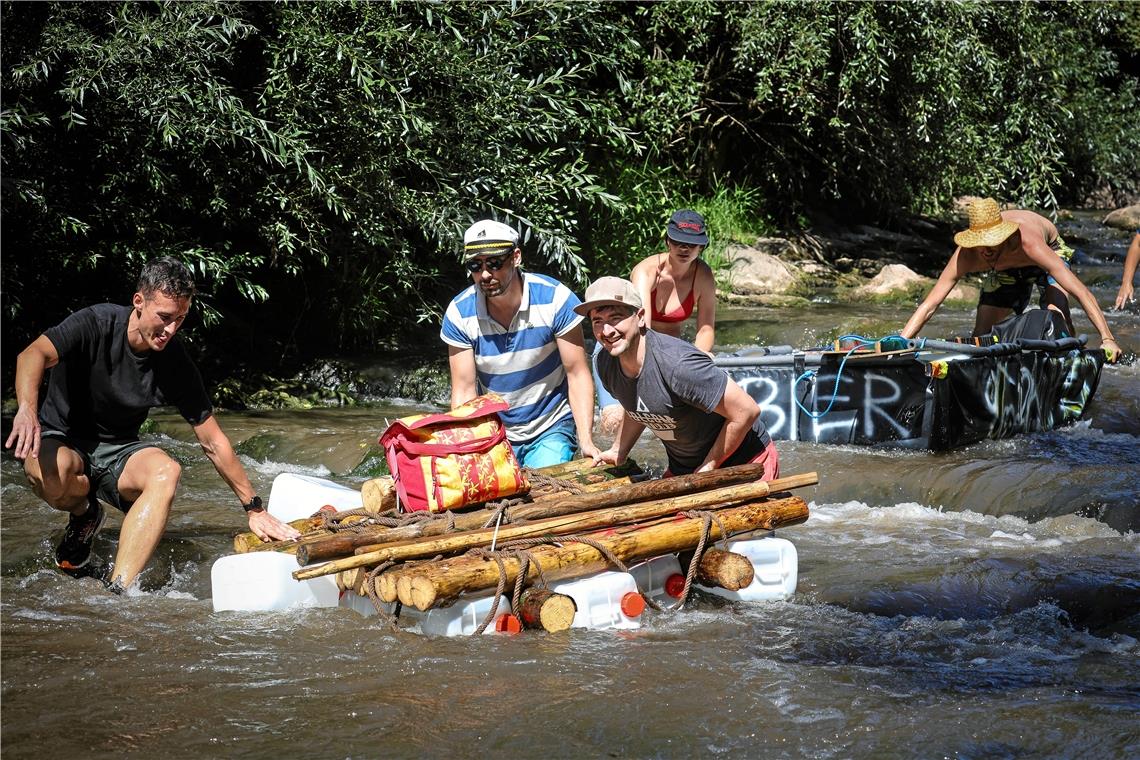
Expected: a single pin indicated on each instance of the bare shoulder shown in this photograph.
(705, 274)
(644, 268)
(1031, 223)
(965, 261)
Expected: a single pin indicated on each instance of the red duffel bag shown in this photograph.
(452, 459)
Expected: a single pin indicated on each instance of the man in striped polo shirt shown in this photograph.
(516, 334)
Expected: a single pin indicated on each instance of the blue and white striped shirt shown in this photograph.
(521, 362)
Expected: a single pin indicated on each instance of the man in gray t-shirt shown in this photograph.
(703, 418)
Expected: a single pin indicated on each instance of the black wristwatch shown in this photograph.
(254, 505)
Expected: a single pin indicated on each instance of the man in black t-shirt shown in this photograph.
(109, 365)
(703, 418)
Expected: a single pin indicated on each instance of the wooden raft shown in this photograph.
(611, 516)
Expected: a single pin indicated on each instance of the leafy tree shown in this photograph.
(316, 163)
(328, 154)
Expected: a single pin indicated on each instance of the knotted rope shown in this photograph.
(517, 550)
(390, 619)
(707, 519)
(337, 522)
(550, 483)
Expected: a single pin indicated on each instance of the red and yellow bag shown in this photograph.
(449, 460)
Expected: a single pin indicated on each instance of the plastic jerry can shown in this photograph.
(263, 581)
(294, 497)
(363, 605)
(776, 565)
(463, 617)
(607, 600)
(654, 578)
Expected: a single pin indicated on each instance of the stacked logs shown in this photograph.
(432, 562)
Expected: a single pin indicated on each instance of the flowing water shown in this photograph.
(983, 602)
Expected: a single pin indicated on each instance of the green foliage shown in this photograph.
(907, 105)
(325, 157)
(316, 163)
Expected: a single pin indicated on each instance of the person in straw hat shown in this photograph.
(1015, 249)
(702, 417)
(516, 334)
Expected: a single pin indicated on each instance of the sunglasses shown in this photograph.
(493, 263)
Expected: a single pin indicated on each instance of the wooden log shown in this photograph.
(344, 544)
(440, 582)
(385, 586)
(567, 468)
(352, 580)
(545, 609)
(725, 569)
(248, 541)
(682, 486)
(560, 525)
(318, 547)
(379, 494)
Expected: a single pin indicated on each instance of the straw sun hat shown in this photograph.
(986, 225)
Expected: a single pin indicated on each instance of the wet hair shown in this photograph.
(168, 276)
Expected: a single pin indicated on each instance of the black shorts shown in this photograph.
(103, 464)
(1012, 288)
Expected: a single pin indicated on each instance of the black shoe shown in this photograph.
(74, 551)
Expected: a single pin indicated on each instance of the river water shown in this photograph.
(983, 602)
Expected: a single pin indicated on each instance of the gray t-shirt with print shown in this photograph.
(674, 396)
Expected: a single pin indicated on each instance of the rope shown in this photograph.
(337, 521)
(860, 342)
(525, 561)
(497, 556)
(707, 521)
(549, 482)
(391, 620)
(499, 510)
(517, 550)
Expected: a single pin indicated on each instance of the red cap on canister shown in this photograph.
(675, 585)
(507, 623)
(632, 604)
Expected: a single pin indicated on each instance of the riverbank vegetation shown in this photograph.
(316, 163)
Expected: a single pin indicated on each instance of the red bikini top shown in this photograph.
(682, 312)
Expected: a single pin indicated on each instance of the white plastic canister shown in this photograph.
(294, 497)
(263, 581)
(460, 619)
(653, 575)
(606, 600)
(777, 570)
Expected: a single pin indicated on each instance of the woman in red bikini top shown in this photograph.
(677, 282)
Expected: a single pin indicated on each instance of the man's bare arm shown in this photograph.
(217, 446)
(31, 364)
(580, 385)
(462, 364)
(740, 412)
